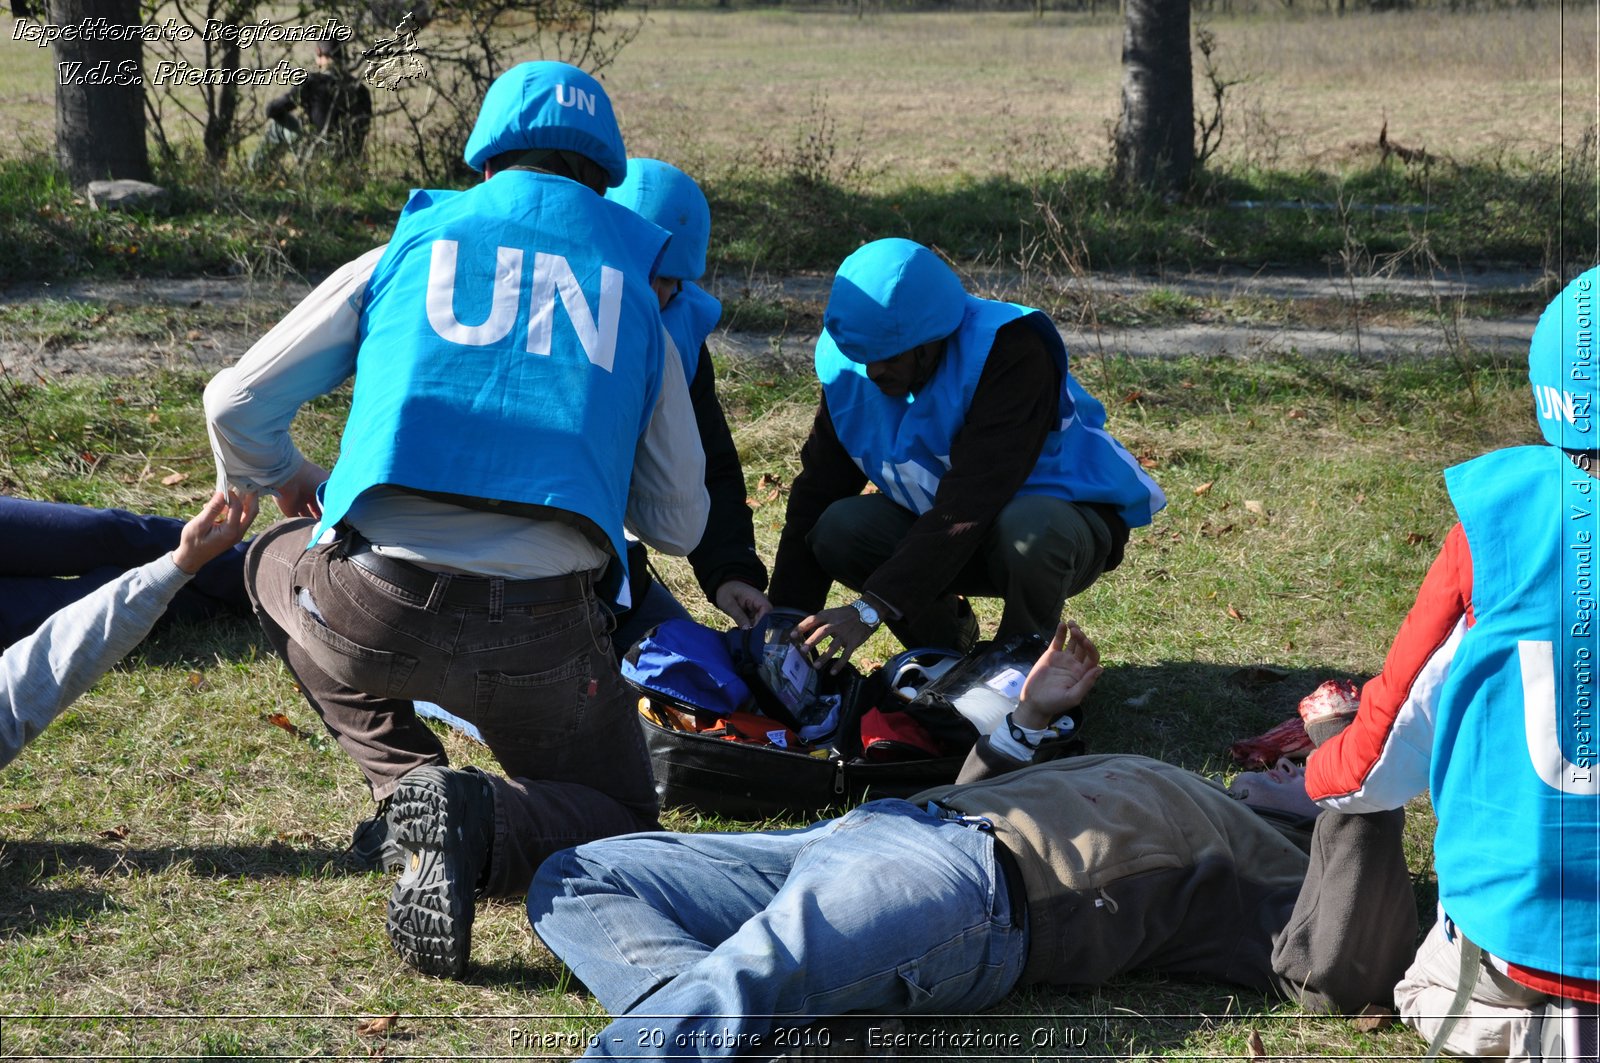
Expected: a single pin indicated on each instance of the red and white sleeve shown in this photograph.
(1381, 760)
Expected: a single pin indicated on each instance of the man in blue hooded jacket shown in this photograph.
(995, 476)
(512, 407)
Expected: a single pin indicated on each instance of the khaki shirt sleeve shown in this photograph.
(250, 405)
(667, 499)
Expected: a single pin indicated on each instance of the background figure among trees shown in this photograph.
(335, 114)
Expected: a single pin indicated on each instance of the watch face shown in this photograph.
(868, 615)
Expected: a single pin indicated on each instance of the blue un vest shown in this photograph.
(903, 444)
(510, 349)
(1514, 775)
(689, 318)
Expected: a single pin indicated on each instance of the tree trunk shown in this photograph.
(222, 102)
(1155, 135)
(99, 95)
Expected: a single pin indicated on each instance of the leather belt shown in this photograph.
(469, 591)
(1016, 889)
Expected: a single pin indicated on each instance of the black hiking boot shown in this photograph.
(372, 842)
(442, 819)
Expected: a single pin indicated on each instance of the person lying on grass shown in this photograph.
(42, 673)
(1029, 869)
(54, 553)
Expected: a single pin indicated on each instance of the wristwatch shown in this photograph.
(869, 616)
(1060, 727)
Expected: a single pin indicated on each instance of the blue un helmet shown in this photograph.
(660, 192)
(548, 105)
(1564, 366)
(890, 296)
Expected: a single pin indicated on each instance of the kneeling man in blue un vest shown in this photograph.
(995, 475)
(512, 409)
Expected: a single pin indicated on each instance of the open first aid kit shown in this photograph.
(740, 724)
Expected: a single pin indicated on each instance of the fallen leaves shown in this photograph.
(278, 719)
(1203, 488)
(172, 479)
(1373, 1018)
(117, 833)
(378, 1027)
(768, 488)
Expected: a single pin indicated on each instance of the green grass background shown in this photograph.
(172, 862)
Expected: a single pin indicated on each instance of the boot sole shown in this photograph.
(431, 909)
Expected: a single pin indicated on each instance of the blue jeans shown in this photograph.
(41, 542)
(695, 942)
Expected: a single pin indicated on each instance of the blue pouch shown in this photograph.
(690, 665)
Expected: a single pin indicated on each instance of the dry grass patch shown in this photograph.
(929, 96)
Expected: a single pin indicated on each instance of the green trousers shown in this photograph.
(1039, 552)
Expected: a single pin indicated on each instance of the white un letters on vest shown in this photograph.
(552, 279)
(1537, 659)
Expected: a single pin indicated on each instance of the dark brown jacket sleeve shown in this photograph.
(727, 550)
(826, 475)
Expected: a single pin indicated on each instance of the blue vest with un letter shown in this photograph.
(1514, 775)
(510, 349)
(689, 318)
(903, 444)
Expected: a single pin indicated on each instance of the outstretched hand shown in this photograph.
(840, 627)
(216, 528)
(1060, 679)
(744, 603)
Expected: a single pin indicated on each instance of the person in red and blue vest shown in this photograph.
(1487, 699)
(725, 562)
(513, 406)
(994, 475)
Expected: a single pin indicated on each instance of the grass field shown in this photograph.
(981, 94)
(926, 96)
(814, 132)
(166, 851)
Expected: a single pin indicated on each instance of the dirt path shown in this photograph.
(24, 354)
